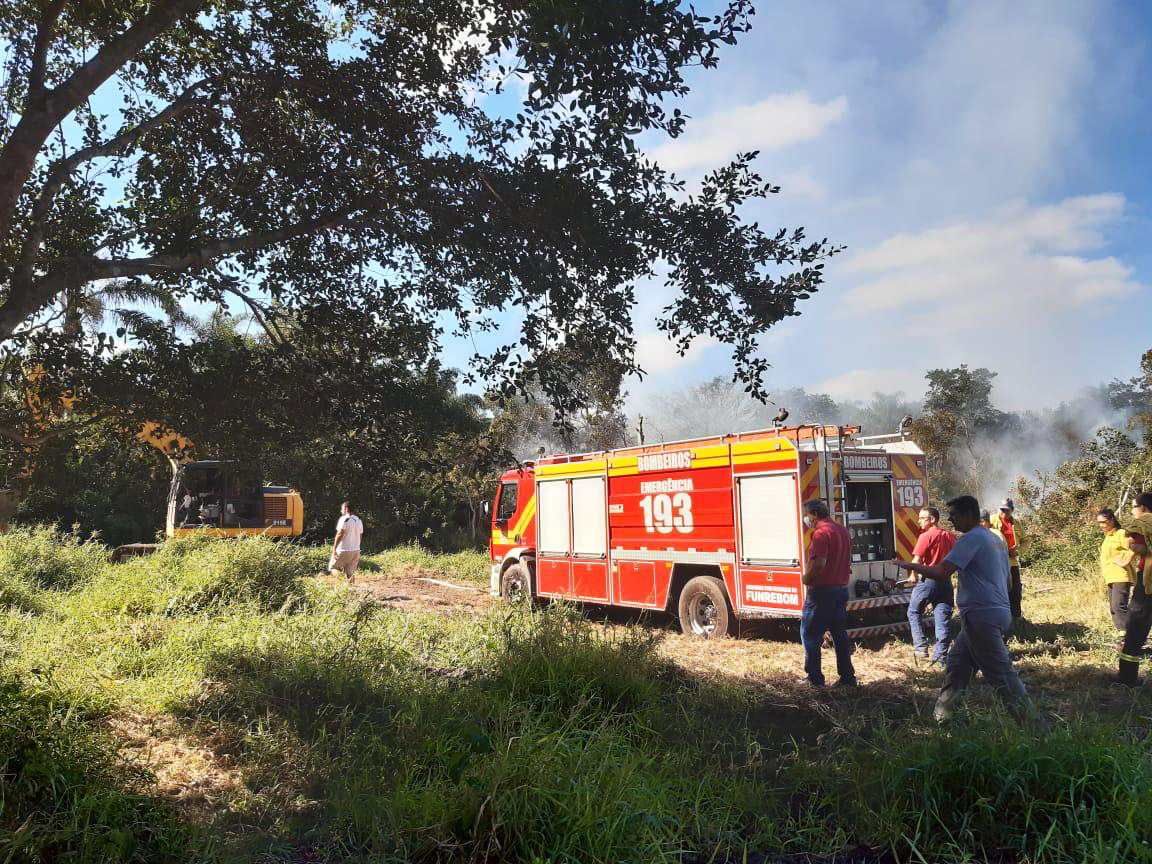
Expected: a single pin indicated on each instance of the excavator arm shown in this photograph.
(175, 447)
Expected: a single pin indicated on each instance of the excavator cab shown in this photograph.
(217, 495)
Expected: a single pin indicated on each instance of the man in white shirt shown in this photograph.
(346, 546)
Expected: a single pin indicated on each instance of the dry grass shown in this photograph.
(187, 770)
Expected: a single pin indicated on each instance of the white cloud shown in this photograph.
(1024, 258)
(656, 353)
(860, 384)
(779, 121)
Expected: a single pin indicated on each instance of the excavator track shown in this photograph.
(132, 550)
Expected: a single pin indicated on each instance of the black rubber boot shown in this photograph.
(1129, 673)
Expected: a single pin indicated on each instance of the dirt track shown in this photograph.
(411, 587)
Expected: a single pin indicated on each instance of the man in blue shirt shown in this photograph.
(981, 561)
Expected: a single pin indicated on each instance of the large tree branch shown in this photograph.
(22, 304)
(27, 440)
(49, 108)
(48, 434)
(45, 33)
(62, 169)
(125, 140)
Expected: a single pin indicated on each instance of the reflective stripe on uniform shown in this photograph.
(1128, 657)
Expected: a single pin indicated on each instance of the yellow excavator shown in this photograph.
(219, 498)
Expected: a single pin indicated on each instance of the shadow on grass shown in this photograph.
(1049, 638)
(592, 741)
(21, 598)
(67, 795)
(563, 741)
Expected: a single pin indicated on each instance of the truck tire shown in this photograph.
(703, 608)
(516, 584)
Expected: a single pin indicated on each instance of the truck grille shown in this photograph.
(275, 507)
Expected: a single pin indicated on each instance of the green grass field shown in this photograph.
(218, 702)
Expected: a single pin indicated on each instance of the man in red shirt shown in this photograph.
(826, 577)
(931, 548)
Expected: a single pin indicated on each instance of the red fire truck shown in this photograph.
(711, 529)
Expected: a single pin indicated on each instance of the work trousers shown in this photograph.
(1118, 594)
(1139, 623)
(937, 592)
(825, 612)
(980, 648)
(1015, 591)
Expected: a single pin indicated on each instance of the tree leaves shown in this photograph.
(341, 176)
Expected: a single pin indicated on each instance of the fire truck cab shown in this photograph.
(710, 529)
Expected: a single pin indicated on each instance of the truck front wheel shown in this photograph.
(703, 608)
(516, 583)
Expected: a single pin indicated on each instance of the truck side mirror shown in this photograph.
(486, 507)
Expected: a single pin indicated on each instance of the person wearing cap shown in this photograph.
(1139, 623)
(1117, 564)
(1004, 521)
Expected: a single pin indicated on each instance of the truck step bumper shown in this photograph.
(900, 599)
(877, 630)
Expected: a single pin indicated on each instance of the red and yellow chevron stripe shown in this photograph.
(906, 525)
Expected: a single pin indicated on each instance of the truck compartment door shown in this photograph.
(635, 583)
(769, 519)
(554, 554)
(870, 522)
(589, 539)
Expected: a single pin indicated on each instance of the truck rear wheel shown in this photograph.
(703, 608)
(516, 584)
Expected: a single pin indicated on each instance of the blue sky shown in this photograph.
(984, 163)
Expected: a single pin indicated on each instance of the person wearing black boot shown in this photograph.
(1140, 602)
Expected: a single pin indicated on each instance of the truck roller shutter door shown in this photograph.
(769, 514)
(589, 519)
(552, 515)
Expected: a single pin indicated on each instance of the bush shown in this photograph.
(65, 794)
(250, 569)
(1073, 556)
(189, 574)
(40, 555)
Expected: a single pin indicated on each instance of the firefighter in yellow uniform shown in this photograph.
(1140, 603)
(1004, 522)
(1117, 563)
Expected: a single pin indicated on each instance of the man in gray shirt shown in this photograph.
(981, 561)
